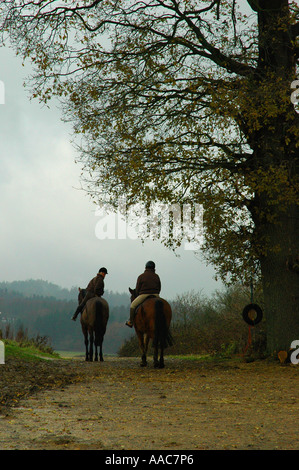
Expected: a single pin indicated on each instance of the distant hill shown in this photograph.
(45, 309)
(38, 287)
(32, 287)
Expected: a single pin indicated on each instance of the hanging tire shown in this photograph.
(249, 311)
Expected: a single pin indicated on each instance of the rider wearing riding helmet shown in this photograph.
(95, 288)
(148, 283)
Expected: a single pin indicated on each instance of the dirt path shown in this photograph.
(188, 405)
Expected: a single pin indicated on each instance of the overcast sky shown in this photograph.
(48, 228)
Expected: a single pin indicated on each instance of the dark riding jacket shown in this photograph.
(148, 283)
(96, 285)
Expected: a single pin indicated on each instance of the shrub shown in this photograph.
(210, 326)
(42, 343)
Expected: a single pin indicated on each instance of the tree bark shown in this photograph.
(280, 277)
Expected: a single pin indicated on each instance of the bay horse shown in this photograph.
(93, 320)
(152, 321)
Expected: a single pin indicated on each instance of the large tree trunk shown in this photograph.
(280, 275)
(276, 220)
(274, 210)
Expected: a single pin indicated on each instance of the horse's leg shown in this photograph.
(96, 352)
(99, 344)
(142, 349)
(156, 359)
(85, 332)
(91, 346)
(95, 346)
(146, 339)
(101, 350)
(161, 361)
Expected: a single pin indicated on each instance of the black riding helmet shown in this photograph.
(103, 270)
(150, 265)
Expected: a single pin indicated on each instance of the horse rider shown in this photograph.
(148, 283)
(95, 288)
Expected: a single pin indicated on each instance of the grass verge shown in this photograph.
(26, 351)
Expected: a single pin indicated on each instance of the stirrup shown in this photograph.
(129, 323)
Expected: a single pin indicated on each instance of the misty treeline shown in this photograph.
(212, 325)
(44, 309)
(215, 324)
(200, 324)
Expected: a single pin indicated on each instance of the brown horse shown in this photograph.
(151, 321)
(94, 320)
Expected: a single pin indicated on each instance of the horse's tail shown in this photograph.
(162, 337)
(100, 327)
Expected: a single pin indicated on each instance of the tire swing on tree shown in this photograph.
(252, 314)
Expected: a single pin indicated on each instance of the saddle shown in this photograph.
(150, 296)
